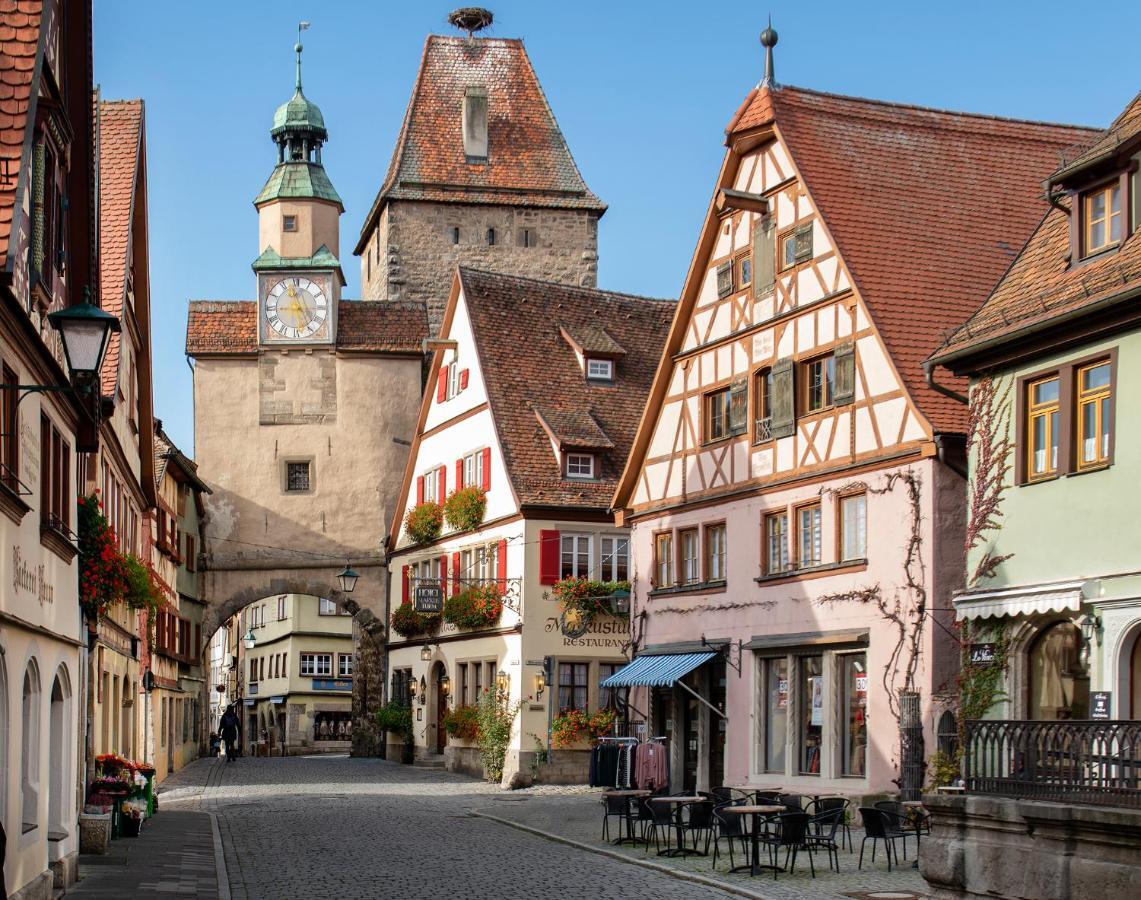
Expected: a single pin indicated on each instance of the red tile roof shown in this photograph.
(1041, 284)
(530, 371)
(229, 327)
(120, 141)
(528, 160)
(927, 207)
(19, 39)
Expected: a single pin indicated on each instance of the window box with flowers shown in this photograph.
(589, 598)
(479, 606)
(462, 723)
(408, 623)
(574, 727)
(465, 507)
(424, 522)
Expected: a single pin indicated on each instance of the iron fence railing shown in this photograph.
(1088, 761)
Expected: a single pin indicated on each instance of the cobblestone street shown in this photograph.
(348, 828)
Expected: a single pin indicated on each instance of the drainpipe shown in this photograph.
(929, 375)
(941, 454)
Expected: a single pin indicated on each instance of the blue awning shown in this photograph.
(657, 671)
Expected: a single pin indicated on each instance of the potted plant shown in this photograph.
(408, 623)
(397, 719)
(465, 507)
(424, 522)
(478, 606)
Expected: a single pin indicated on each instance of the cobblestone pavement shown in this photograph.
(348, 828)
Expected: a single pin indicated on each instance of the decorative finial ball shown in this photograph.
(769, 37)
(470, 19)
(297, 48)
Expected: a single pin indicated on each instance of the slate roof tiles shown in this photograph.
(528, 160)
(530, 371)
(19, 38)
(230, 327)
(927, 208)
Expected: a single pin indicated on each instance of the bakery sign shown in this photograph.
(30, 579)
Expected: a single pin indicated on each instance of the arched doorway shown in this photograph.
(440, 688)
(59, 744)
(1059, 681)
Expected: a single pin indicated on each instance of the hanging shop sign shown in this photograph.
(573, 622)
(982, 654)
(1100, 704)
(429, 598)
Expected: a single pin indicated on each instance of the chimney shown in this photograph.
(475, 124)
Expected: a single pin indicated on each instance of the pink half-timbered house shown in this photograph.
(795, 489)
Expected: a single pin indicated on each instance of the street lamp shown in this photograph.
(84, 331)
(621, 602)
(347, 580)
(426, 653)
(445, 684)
(249, 640)
(540, 685)
(501, 681)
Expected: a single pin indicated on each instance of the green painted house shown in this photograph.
(1053, 359)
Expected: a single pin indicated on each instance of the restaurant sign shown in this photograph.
(601, 631)
(30, 579)
(429, 598)
(982, 654)
(1100, 704)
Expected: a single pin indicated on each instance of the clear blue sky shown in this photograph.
(642, 91)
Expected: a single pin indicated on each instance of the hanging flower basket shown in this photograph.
(476, 607)
(424, 522)
(102, 569)
(408, 623)
(465, 507)
(587, 596)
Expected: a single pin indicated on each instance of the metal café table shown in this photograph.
(630, 795)
(681, 849)
(767, 809)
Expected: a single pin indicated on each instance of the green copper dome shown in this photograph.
(299, 114)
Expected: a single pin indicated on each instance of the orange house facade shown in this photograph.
(796, 488)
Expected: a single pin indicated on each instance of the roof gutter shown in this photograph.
(1026, 331)
(929, 375)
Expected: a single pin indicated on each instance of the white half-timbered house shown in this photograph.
(534, 393)
(795, 489)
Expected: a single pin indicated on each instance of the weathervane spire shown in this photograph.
(301, 26)
(768, 41)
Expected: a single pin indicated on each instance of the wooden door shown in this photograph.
(441, 711)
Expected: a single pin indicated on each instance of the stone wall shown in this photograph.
(418, 257)
(996, 846)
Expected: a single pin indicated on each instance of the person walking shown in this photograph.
(229, 727)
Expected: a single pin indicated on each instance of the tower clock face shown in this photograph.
(296, 307)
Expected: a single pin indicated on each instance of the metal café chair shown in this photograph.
(876, 830)
(823, 805)
(793, 836)
(731, 827)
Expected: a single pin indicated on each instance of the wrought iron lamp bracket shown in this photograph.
(727, 648)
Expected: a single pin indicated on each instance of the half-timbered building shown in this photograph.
(795, 490)
(535, 390)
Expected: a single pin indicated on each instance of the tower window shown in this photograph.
(528, 238)
(289, 223)
(491, 237)
(455, 234)
(297, 477)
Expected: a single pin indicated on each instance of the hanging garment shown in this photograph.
(652, 766)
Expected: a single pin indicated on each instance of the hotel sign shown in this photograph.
(30, 580)
(429, 598)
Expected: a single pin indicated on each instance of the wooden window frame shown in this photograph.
(576, 666)
(798, 509)
(289, 223)
(1042, 410)
(590, 476)
(706, 557)
(804, 384)
(668, 538)
(762, 403)
(792, 234)
(1095, 396)
(1086, 198)
(609, 363)
(740, 282)
(679, 576)
(766, 533)
(840, 500)
(707, 401)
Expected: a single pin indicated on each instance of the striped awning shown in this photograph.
(657, 671)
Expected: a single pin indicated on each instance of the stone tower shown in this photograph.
(481, 176)
(302, 399)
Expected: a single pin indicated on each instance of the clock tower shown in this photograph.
(299, 274)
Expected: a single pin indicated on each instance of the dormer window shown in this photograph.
(1101, 218)
(600, 369)
(580, 465)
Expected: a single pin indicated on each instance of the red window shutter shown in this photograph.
(455, 573)
(404, 584)
(442, 386)
(487, 468)
(419, 488)
(444, 574)
(501, 564)
(441, 484)
(548, 557)
(463, 379)
(459, 474)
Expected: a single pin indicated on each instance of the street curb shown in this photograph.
(622, 857)
(221, 873)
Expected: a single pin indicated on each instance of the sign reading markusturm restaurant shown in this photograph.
(428, 598)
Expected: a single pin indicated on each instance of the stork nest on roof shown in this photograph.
(470, 19)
